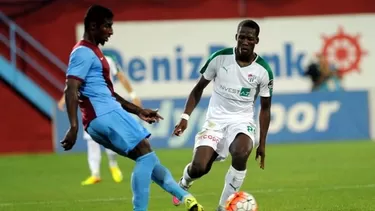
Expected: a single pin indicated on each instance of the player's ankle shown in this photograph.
(187, 196)
(96, 175)
(185, 184)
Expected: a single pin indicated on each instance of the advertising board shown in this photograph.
(163, 58)
(302, 117)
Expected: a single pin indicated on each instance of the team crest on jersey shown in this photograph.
(251, 78)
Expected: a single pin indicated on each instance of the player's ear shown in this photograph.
(235, 37)
(257, 40)
(92, 26)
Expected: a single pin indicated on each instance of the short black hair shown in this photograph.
(249, 23)
(97, 14)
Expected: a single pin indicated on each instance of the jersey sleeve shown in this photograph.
(80, 62)
(266, 84)
(112, 66)
(209, 69)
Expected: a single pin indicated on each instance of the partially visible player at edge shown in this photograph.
(93, 148)
(105, 114)
(239, 75)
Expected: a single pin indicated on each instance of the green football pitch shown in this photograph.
(326, 176)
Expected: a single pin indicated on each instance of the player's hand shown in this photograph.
(261, 152)
(180, 127)
(70, 139)
(136, 101)
(150, 116)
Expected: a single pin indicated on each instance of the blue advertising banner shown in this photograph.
(308, 117)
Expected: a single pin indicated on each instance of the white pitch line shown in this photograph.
(271, 190)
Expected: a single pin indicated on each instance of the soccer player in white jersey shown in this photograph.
(93, 148)
(239, 76)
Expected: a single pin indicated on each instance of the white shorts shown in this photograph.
(220, 138)
(86, 136)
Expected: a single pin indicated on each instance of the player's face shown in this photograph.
(104, 31)
(246, 40)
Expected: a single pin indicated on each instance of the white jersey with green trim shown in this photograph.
(235, 88)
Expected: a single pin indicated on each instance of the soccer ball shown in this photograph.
(241, 201)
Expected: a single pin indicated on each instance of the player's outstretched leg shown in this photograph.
(145, 161)
(120, 132)
(94, 158)
(148, 166)
(113, 166)
(203, 158)
(163, 177)
(240, 150)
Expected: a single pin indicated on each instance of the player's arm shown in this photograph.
(264, 119)
(192, 101)
(265, 93)
(195, 95)
(128, 106)
(208, 72)
(80, 62)
(71, 99)
(146, 115)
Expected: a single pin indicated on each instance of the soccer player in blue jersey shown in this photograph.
(106, 117)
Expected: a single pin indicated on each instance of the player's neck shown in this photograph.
(89, 38)
(245, 60)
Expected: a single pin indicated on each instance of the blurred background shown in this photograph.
(321, 53)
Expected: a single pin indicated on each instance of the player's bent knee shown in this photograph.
(240, 150)
(141, 149)
(202, 161)
(241, 146)
(240, 155)
(198, 169)
(239, 160)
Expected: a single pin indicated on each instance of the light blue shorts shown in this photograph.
(118, 131)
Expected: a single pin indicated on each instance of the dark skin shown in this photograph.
(99, 34)
(242, 145)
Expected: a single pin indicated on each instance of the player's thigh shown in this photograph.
(125, 133)
(206, 146)
(97, 136)
(241, 139)
(119, 131)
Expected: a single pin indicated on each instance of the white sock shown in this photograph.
(233, 183)
(111, 158)
(186, 179)
(94, 157)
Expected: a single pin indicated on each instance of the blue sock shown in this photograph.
(163, 177)
(141, 180)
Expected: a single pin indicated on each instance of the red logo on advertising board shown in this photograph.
(343, 50)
